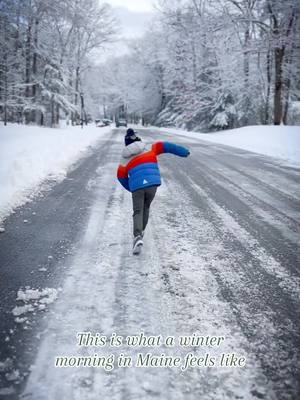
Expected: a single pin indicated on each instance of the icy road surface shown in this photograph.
(221, 257)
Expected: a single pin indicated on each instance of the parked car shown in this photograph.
(99, 123)
(102, 122)
(121, 122)
(107, 121)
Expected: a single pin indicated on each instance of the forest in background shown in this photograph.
(45, 49)
(203, 64)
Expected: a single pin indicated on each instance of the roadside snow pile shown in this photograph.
(276, 141)
(30, 154)
(33, 299)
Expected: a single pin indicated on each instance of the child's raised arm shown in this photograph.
(167, 147)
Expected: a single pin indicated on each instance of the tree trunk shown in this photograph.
(4, 71)
(52, 112)
(279, 54)
(34, 71)
(246, 57)
(5, 89)
(57, 115)
(286, 107)
(287, 86)
(28, 69)
(76, 85)
(194, 64)
(75, 114)
(247, 102)
(267, 106)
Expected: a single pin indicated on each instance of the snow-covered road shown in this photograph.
(221, 257)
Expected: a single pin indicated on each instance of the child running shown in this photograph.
(138, 173)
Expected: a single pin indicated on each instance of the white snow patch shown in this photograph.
(37, 299)
(20, 310)
(281, 142)
(21, 320)
(30, 154)
(14, 375)
(49, 297)
(47, 294)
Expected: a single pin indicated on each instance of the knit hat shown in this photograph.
(131, 137)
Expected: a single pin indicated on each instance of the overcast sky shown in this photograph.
(133, 15)
(133, 5)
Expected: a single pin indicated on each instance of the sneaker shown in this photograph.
(137, 244)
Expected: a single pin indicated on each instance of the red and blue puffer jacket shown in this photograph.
(141, 169)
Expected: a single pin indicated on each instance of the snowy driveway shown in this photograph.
(221, 258)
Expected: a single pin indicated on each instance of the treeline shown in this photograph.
(44, 50)
(212, 65)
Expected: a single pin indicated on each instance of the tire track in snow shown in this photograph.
(278, 178)
(271, 227)
(256, 196)
(196, 302)
(262, 234)
(286, 197)
(230, 269)
(275, 182)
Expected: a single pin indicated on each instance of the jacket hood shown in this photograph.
(133, 149)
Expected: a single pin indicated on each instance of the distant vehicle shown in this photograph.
(102, 122)
(121, 122)
(99, 123)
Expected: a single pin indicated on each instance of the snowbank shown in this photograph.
(282, 142)
(30, 154)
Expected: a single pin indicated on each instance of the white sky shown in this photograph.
(134, 17)
(133, 5)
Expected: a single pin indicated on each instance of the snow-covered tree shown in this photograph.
(45, 48)
(207, 64)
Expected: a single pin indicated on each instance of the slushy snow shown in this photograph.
(33, 299)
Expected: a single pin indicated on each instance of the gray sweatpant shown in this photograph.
(141, 200)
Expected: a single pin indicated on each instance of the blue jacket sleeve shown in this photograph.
(175, 149)
(123, 177)
(124, 183)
